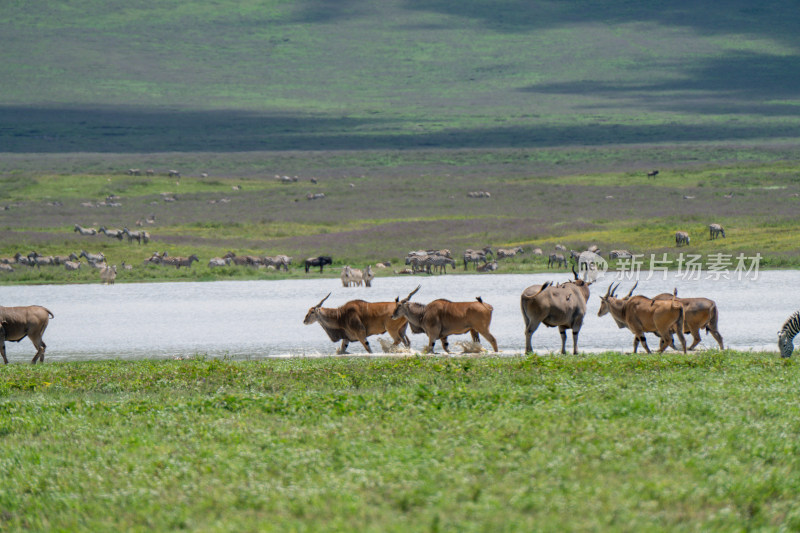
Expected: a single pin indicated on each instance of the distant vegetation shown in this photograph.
(209, 76)
(380, 205)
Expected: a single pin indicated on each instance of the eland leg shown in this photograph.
(530, 328)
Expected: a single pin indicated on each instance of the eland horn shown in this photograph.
(412, 293)
(321, 301)
(631, 292)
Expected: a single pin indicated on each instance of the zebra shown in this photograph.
(85, 231)
(787, 334)
(439, 263)
(556, 259)
(681, 237)
(714, 231)
(474, 256)
(133, 235)
(113, 233)
(97, 258)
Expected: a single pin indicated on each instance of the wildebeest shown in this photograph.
(681, 237)
(356, 320)
(30, 321)
(441, 318)
(652, 174)
(715, 230)
(320, 262)
(644, 315)
(555, 305)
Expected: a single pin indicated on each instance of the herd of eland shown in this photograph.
(562, 305)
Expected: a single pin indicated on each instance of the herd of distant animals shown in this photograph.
(561, 305)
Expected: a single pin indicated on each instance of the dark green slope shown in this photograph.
(141, 76)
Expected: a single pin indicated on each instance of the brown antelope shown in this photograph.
(699, 313)
(30, 321)
(555, 305)
(643, 315)
(442, 318)
(356, 320)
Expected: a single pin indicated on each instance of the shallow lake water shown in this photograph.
(258, 319)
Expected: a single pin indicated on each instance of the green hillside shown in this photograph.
(211, 75)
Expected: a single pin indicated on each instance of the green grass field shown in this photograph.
(707, 441)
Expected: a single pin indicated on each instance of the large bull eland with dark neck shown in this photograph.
(356, 320)
(442, 318)
(562, 306)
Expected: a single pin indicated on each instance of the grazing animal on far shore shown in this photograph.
(715, 230)
(85, 231)
(108, 274)
(557, 260)
(179, 262)
(681, 237)
(113, 233)
(509, 252)
(219, 262)
(319, 261)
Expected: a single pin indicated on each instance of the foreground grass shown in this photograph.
(705, 441)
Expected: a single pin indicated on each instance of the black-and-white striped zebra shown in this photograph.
(681, 237)
(787, 334)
